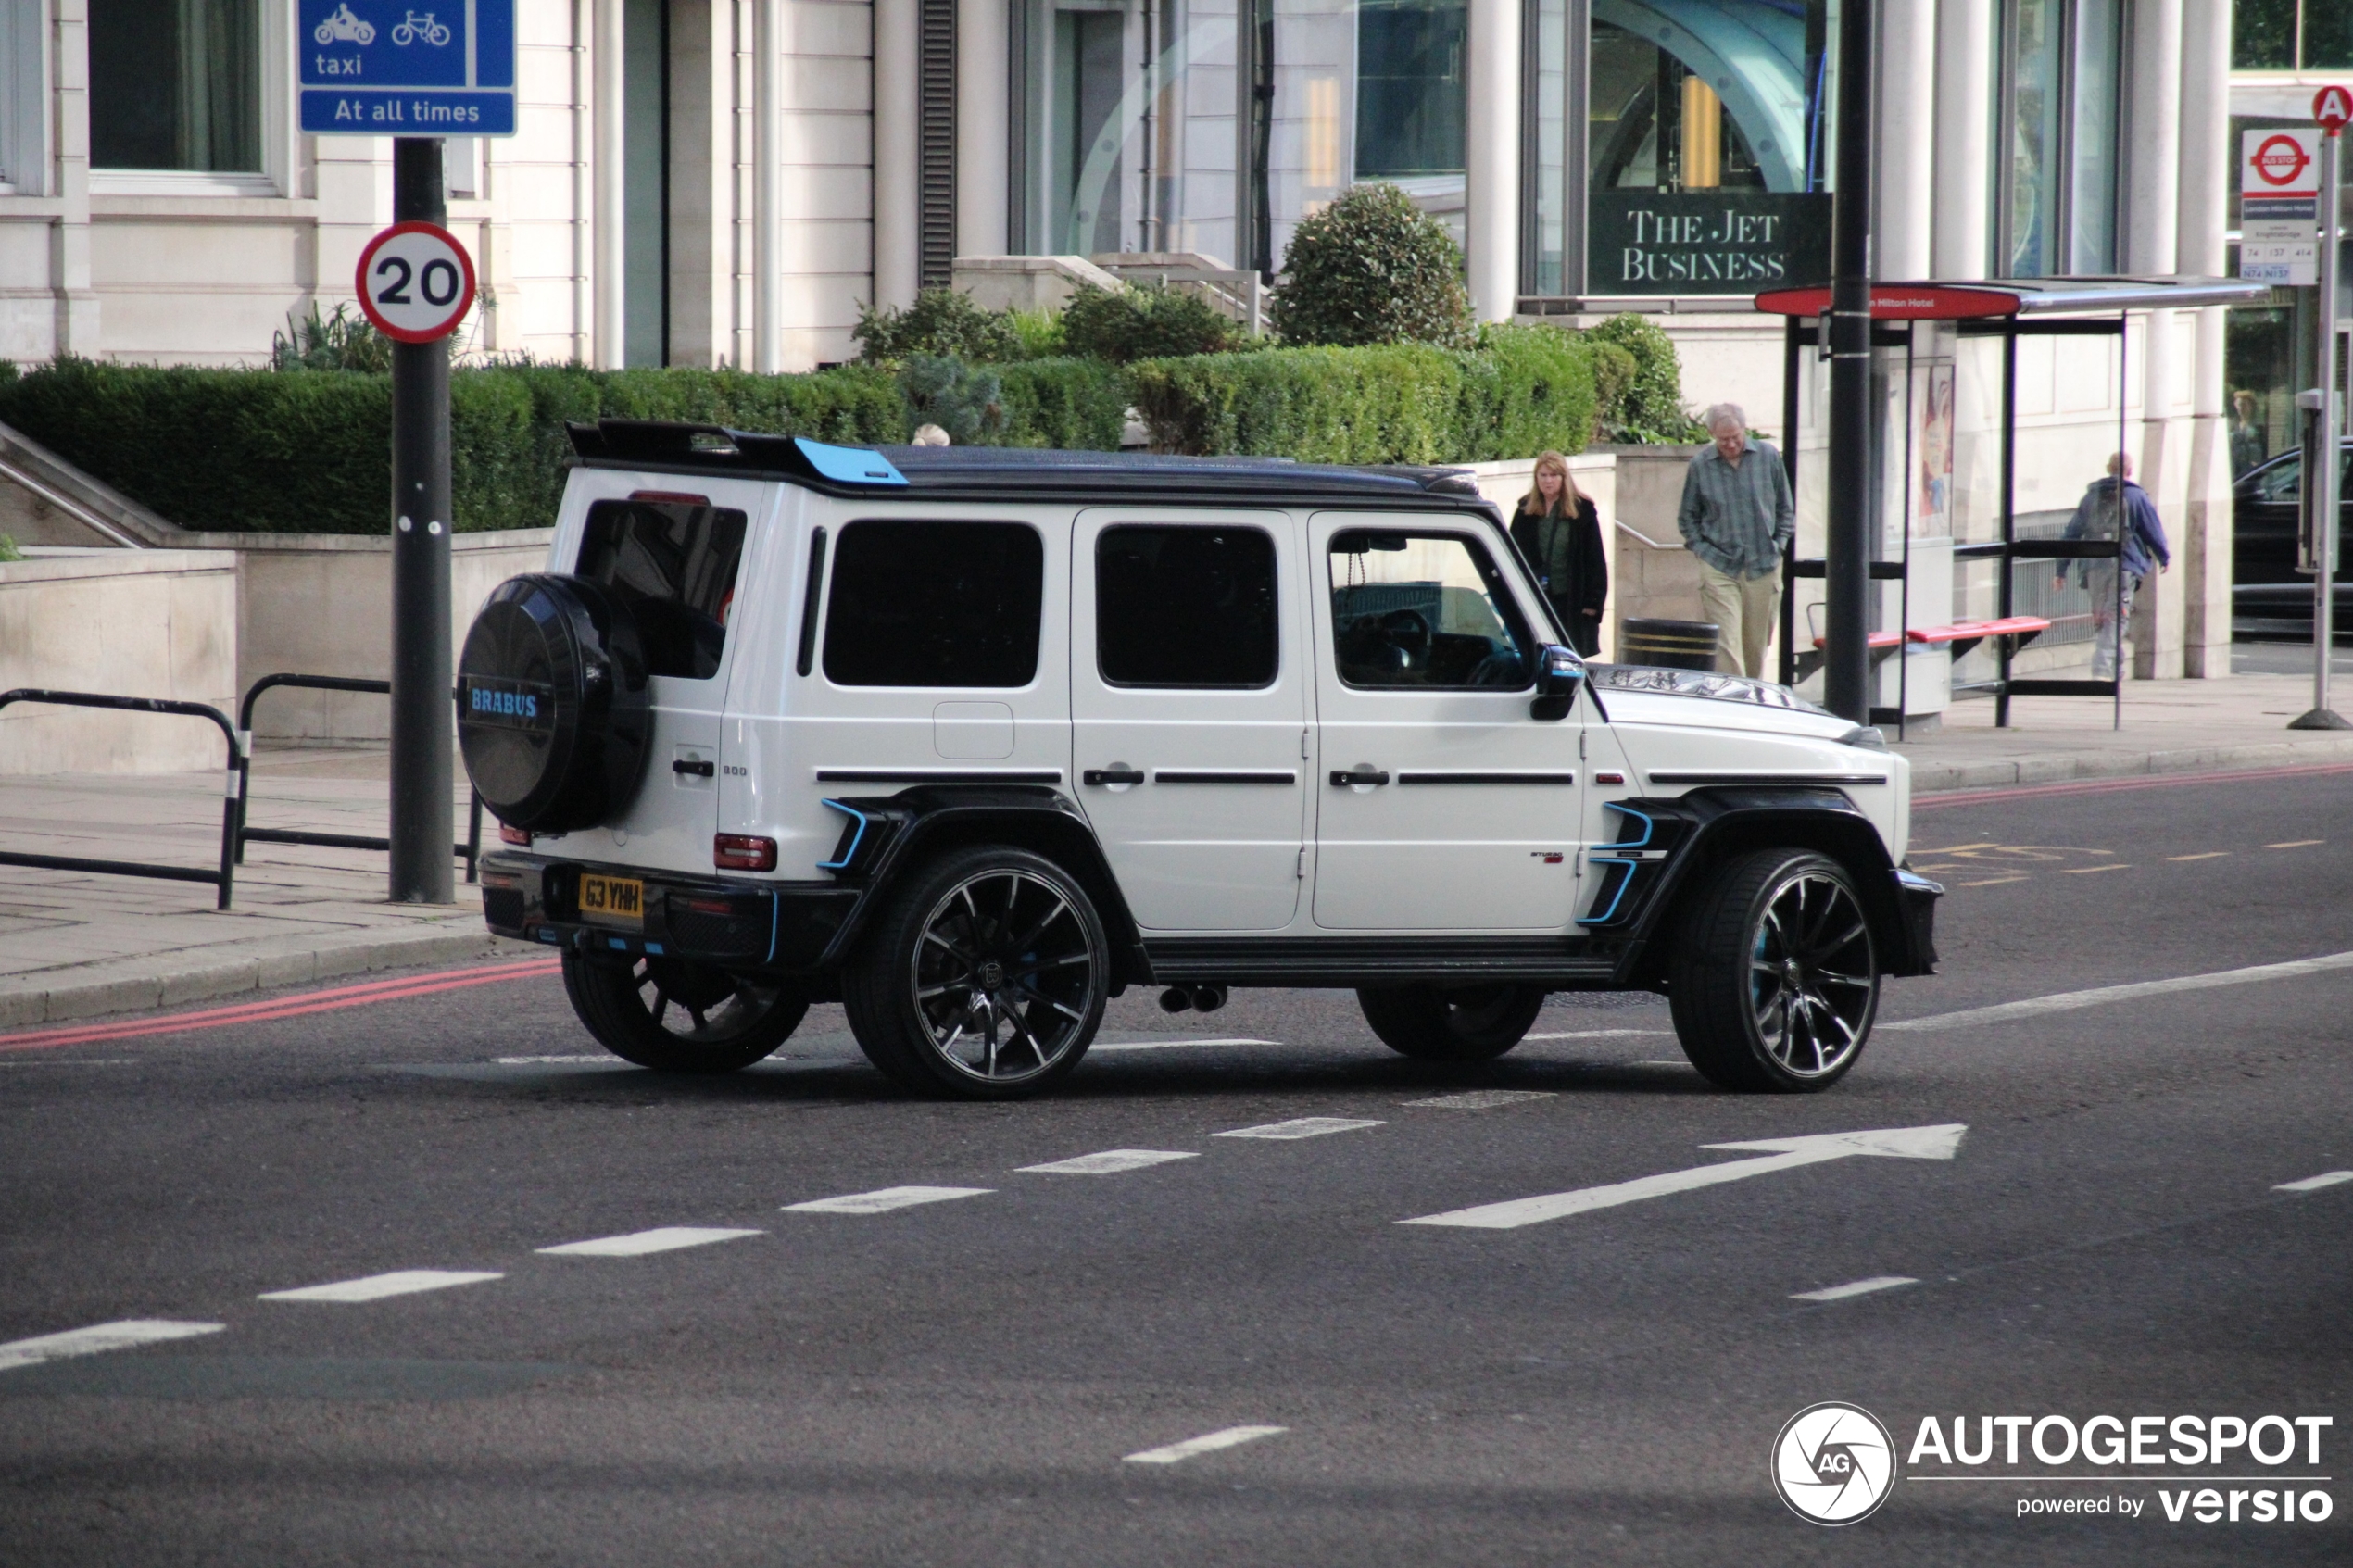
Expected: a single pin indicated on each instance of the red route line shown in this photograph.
(2108, 787)
(296, 1005)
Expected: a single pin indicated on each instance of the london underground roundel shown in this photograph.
(415, 283)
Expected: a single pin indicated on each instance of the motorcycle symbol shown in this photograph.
(407, 32)
(345, 27)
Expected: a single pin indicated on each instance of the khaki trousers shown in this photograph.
(1746, 611)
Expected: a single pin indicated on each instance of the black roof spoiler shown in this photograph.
(670, 442)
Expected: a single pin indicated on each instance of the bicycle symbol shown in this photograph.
(407, 32)
(345, 27)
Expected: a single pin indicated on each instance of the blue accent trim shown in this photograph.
(849, 465)
(1650, 826)
(546, 935)
(858, 838)
(654, 948)
(775, 912)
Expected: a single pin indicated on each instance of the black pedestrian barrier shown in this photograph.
(231, 806)
(470, 851)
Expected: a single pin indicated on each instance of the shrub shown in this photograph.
(1075, 405)
(1652, 408)
(1613, 381)
(9, 550)
(1372, 268)
(942, 322)
(1041, 333)
(1133, 323)
(343, 340)
(966, 402)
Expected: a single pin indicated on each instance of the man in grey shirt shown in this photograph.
(1737, 515)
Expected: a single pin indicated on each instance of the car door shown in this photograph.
(1441, 803)
(1188, 690)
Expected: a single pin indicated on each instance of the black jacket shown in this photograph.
(1571, 564)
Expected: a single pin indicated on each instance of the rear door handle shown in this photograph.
(694, 767)
(1100, 777)
(1343, 778)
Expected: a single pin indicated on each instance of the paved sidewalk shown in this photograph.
(73, 945)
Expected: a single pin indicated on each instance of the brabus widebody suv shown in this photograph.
(972, 739)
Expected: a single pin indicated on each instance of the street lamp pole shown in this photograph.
(1847, 571)
(2321, 498)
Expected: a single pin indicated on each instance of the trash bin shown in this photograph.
(1674, 645)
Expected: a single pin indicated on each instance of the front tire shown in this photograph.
(677, 1016)
(1458, 1023)
(984, 978)
(1775, 979)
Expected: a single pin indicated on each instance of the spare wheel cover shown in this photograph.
(553, 709)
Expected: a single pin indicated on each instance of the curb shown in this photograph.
(142, 984)
(1930, 777)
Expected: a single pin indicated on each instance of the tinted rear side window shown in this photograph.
(935, 604)
(674, 564)
(1185, 607)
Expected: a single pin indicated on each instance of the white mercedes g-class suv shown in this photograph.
(973, 739)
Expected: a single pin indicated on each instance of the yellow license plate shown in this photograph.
(612, 901)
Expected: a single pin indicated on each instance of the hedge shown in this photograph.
(1525, 389)
(308, 451)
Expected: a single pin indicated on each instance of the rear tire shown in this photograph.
(677, 1016)
(1456, 1023)
(1775, 978)
(983, 978)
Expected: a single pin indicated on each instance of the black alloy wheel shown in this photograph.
(678, 1016)
(1453, 1023)
(985, 978)
(1775, 980)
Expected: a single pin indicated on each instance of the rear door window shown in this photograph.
(935, 604)
(672, 563)
(1185, 607)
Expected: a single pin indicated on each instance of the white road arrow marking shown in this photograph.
(1787, 1154)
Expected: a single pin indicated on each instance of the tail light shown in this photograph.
(507, 834)
(741, 852)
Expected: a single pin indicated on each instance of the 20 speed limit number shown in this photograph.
(415, 283)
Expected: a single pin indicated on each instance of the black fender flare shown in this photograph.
(886, 838)
(1703, 829)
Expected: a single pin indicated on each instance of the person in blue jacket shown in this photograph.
(2144, 535)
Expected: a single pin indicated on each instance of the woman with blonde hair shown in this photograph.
(1559, 533)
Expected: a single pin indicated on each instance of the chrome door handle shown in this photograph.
(1100, 777)
(1342, 778)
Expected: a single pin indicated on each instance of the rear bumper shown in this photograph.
(739, 923)
(1916, 899)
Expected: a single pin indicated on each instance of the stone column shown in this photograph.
(767, 187)
(75, 318)
(1907, 121)
(2153, 174)
(1965, 132)
(1490, 155)
(609, 264)
(2203, 556)
(898, 152)
(984, 117)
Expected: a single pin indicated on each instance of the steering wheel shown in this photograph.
(1407, 632)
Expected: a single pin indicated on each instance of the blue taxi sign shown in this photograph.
(386, 67)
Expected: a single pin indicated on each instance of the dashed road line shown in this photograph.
(2296, 844)
(376, 1287)
(2206, 855)
(638, 1244)
(1171, 1044)
(1859, 1287)
(1109, 1163)
(2314, 1183)
(1297, 1127)
(539, 1061)
(883, 1201)
(2093, 871)
(1208, 1442)
(1996, 881)
(127, 1335)
(2068, 1001)
(1595, 1033)
(1481, 1099)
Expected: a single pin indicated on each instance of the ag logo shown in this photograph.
(1833, 1463)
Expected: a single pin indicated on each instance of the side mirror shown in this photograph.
(1559, 674)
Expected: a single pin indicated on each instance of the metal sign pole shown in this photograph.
(422, 818)
(2321, 479)
(1847, 568)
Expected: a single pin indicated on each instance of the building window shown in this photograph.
(176, 84)
(2062, 78)
(2291, 34)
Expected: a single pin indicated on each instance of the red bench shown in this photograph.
(1960, 637)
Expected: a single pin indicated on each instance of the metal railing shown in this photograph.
(231, 806)
(470, 851)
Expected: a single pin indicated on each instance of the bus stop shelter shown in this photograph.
(1972, 592)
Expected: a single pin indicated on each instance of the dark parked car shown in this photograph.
(2271, 600)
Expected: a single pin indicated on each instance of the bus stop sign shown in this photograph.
(2333, 106)
(380, 67)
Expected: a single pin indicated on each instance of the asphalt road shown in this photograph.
(959, 1382)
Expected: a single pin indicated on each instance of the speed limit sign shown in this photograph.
(415, 283)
